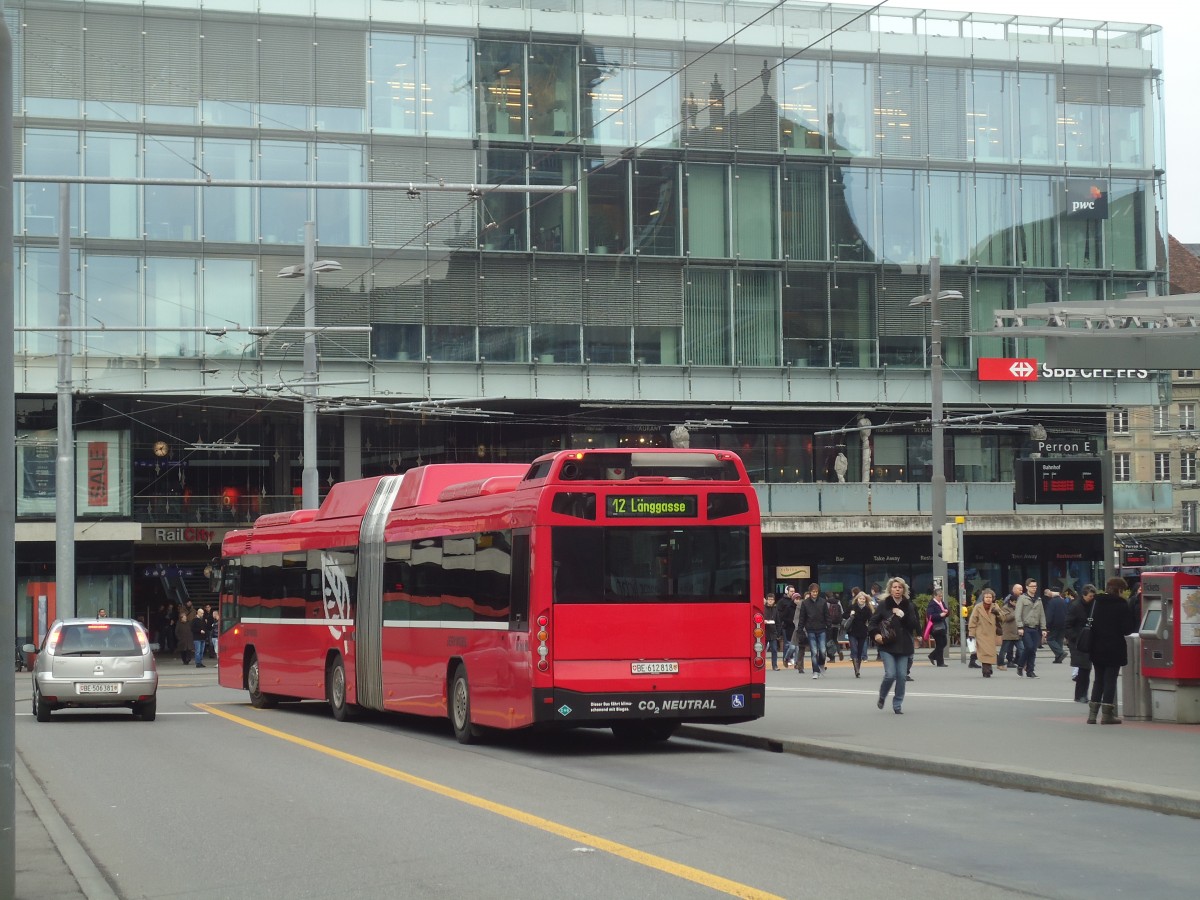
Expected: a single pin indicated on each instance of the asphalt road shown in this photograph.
(236, 802)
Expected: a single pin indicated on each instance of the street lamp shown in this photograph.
(309, 271)
(938, 483)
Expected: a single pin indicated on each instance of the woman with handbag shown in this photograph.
(1112, 618)
(1078, 613)
(893, 628)
(936, 614)
(985, 629)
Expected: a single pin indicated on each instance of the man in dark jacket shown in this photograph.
(1055, 605)
(785, 617)
(812, 621)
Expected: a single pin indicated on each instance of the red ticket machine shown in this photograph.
(1170, 633)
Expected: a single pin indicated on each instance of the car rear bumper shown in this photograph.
(65, 692)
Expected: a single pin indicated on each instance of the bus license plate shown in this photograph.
(100, 687)
(655, 668)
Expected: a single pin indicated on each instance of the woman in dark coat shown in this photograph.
(897, 654)
(1077, 616)
(1112, 619)
(856, 630)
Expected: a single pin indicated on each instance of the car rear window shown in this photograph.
(98, 640)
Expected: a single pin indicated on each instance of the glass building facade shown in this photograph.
(753, 189)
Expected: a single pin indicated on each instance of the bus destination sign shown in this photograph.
(652, 506)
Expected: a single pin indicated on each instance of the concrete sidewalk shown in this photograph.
(1007, 730)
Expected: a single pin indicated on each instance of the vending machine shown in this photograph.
(1170, 633)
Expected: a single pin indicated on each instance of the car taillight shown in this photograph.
(52, 641)
(543, 646)
(141, 636)
(97, 628)
(759, 647)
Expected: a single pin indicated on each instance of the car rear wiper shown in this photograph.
(80, 653)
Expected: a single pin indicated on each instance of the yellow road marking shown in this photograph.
(707, 879)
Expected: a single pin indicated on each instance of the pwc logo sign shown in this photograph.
(995, 369)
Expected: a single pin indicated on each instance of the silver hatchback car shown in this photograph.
(95, 663)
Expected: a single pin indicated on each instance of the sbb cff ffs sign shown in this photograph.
(1059, 481)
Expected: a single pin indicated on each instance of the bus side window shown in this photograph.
(519, 585)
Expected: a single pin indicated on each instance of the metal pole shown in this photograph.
(64, 465)
(938, 481)
(1111, 567)
(8, 499)
(961, 528)
(308, 478)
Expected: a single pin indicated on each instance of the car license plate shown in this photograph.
(98, 687)
(655, 668)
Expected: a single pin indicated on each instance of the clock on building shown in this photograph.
(161, 448)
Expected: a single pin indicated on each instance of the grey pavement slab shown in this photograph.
(1006, 730)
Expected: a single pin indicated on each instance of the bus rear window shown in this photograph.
(681, 466)
(650, 565)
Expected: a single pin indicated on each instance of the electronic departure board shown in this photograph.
(651, 506)
(1061, 480)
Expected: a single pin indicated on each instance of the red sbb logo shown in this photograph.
(1000, 369)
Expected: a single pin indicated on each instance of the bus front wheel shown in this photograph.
(335, 689)
(460, 708)
(258, 699)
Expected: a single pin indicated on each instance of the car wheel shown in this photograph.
(258, 699)
(41, 707)
(146, 709)
(460, 708)
(335, 690)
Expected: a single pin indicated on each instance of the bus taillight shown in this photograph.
(543, 649)
(759, 647)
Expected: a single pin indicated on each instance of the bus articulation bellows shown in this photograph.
(597, 588)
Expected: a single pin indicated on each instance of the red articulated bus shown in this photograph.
(597, 588)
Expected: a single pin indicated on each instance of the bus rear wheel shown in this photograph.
(645, 732)
(335, 690)
(258, 699)
(460, 708)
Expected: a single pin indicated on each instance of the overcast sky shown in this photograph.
(1180, 20)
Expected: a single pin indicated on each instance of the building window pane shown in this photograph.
(229, 286)
(990, 130)
(1036, 117)
(500, 79)
(1187, 465)
(49, 153)
(1191, 515)
(803, 212)
(802, 120)
(395, 76)
(656, 345)
(806, 320)
(228, 211)
(607, 198)
(111, 285)
(171, 302)
(756, 318)
(993, 221)
(552, 92)
(1162, 417)
(446, 100)
(502, 223)
(451, 343)
(606, 344)
(1120, 421)
(1187, 416)
(555, 343)
(283, 211)
(170, 210)
(706, 317)
(852, 219)
(40, 301)
(656, 209)
(1121, 467)
(341, 215)
(1162, 466)
(1037, 232)
(504, 344)
(552, 219)
(852, 320)
(853, 108)
(755, 212)
(705, 211)
(111, 210)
